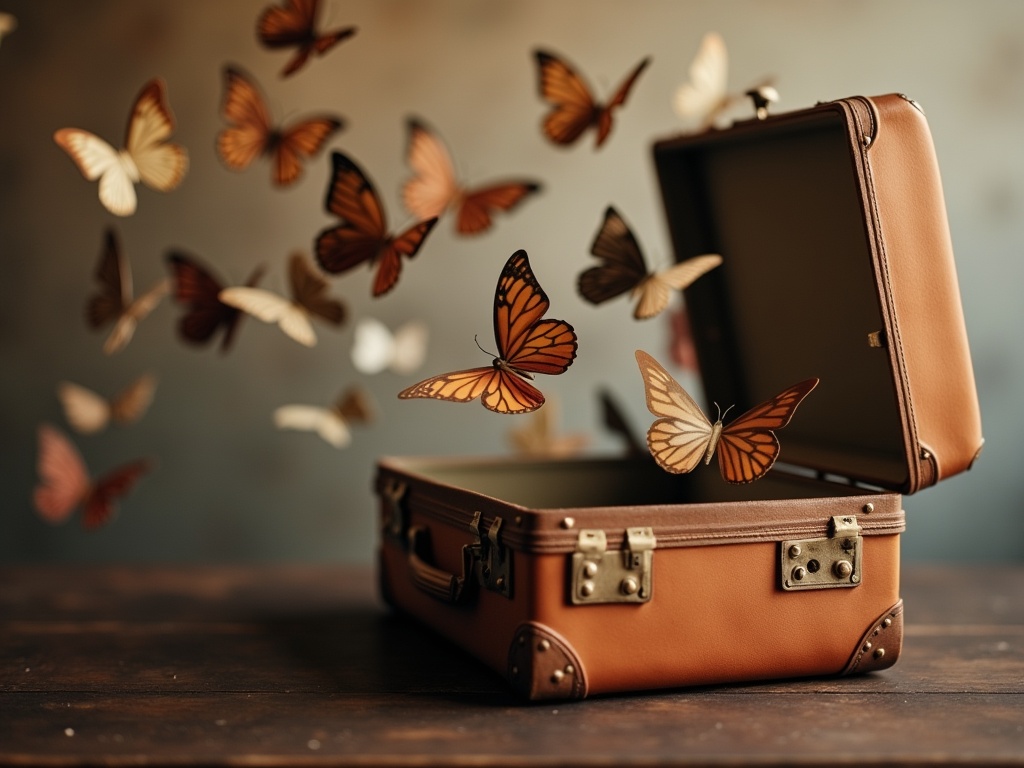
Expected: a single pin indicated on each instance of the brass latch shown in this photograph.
(494, 560)
(834, 561)
(599, 576)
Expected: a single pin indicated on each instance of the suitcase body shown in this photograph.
(579, 577)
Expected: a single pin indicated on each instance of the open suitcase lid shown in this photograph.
(837, 264)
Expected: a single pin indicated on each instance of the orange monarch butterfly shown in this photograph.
(293, 25)
(573, 107)
(250, 133)
(65, 484)
(363, 234)
(622, 269)
(197, 288)
(115, 301)
(527, 344)
(434, 189)
(147, 156)
(747, 447)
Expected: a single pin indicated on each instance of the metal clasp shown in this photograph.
(396, 517)
(493, 558)
(826, 563)
(599, 576)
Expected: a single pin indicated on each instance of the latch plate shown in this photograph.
(834, 561)
(494, 561)
(619, 576)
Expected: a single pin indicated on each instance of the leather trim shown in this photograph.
(543, 665)
(880, 646)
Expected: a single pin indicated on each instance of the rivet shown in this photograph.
(515, 671)
(869, 508)
(522, 639)
(590, 570)
(795, 550)
(587, 588)
(879, 653)
(886, 622)
(855, 579)
(556, 676)
(568, 522)
(842, 569)
(570, 669)
(867, 647)
(799, 573)
(500, 582)
(519, 520)
(543, 645)
(629, 586)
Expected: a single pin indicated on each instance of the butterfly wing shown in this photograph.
(294, 25)
(114, 276)
(703, 95)
(389, 262)
(433, 186)
(86, 411)
(373, 346)
(309, 291)
(363, 229)
(96, 159)
(525, 341)
(604, 116)
(249, 128)
(622, 267)
(100, 504)
(272, 308)
(134, 313)
(572, 107)
(656, 289)
(500, 391)
(161, 164)
(64, 480)
(479, 205)
(748, 447)
(197, 288)
(679, 439)
(131, 405)
(298, 142)
(326, 422)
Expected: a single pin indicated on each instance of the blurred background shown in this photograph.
(228, 485)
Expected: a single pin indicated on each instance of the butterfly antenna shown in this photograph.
(477, 342)
(721, 414)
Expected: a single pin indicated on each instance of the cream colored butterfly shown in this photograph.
(293, 316)
(88, 412)
(376, 348)
(332, 424)
(147, 156)
(622, 269)
(705, 96)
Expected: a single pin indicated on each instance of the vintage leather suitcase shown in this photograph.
(579, 577)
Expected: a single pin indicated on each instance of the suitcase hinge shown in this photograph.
(599, 576)
(834, 561)
(396, 516)
(493, 558)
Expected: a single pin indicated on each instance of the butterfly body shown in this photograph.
(683, 436)
(148, 156)
(527, 344)
(363, 236)
(573, 107)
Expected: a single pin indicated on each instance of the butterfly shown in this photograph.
(705, 97)
(147, 156)
(573, 107)
(622, 269)
(527, 344)
(363, 233)
(293, 25)
(197, 288)
(375, 347)
(434, 189)
(114, 302)
(88, 412)
(540, 437)
(65, 484)
(683, 435)
(330, 423)
(250, 133)
(309, 299)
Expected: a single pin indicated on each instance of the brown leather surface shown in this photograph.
(929, 336)
(881, 645)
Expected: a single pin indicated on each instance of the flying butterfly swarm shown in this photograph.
(527, 342)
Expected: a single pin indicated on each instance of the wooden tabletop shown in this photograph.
(303, 665)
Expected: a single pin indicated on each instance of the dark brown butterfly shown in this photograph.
(294, 25)
(115, 302)
(435, 188)
(363, 235)
(196, 287)
(527, 344)
(65, 484)
(573, 107)
(251, 134)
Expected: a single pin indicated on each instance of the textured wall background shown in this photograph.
(229, 486)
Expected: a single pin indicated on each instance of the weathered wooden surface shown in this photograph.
(282, 665)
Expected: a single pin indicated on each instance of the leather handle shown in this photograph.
(438, 583)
